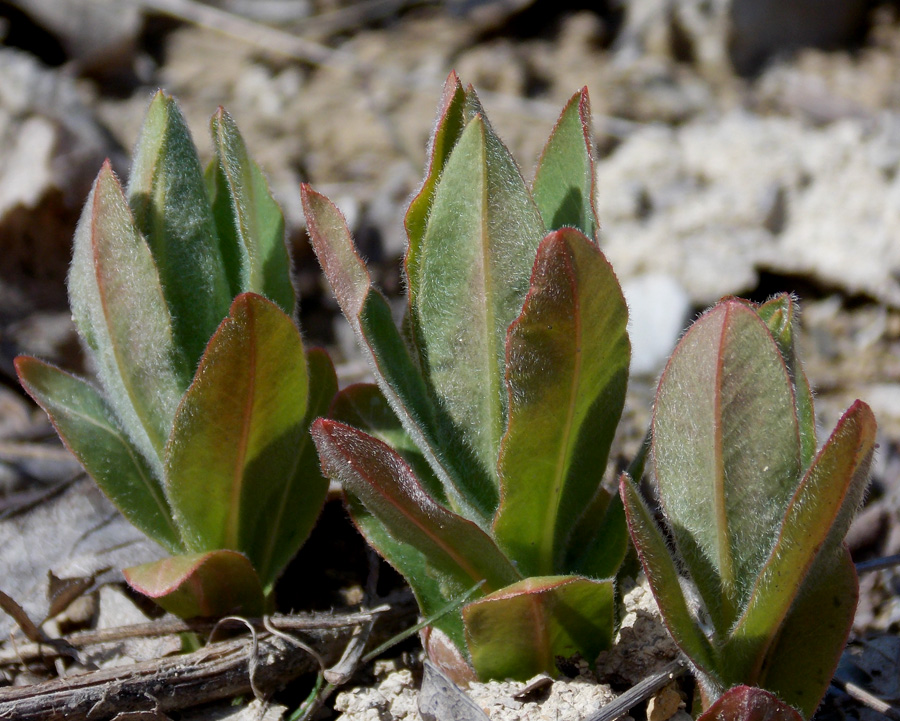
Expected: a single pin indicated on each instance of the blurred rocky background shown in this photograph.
(746, 147)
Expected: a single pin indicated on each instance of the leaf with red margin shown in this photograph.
(815, 523)
(566, 372)
(801, 662)
(521, 630)
(396, 373)
(662, 574)
(213, 584)
(450, 122)
(456, 548)
(237, 433)
(726, 452)
(563, 186)
(745, 703)
(89, 428)
(119, 308)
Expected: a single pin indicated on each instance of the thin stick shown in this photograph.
(641, 692)
(867, 699)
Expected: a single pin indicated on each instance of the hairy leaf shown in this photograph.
(249, 222)
(520, 630)
(780, 315)
(726, 452)
(89, 428)
(563, 186)
(213, 584)
(397, 374)
(237, 432)
(567, 369)
(662, 574)
(168, 195)
(447, 129)
(456, 548)
(119, 308)
(801, 662)
(815, 522)
(476, 259)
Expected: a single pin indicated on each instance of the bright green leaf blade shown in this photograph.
(455, 547)
(801, 663)
(88, 427)
(816, 521)
(745, 703)
(171, 206)
(663, 577)
(520, 630)
(214, 584)
(249, 223)
(119, 308)
(563, 186)
(397, 374)
(780, 315)
(432, 591)
(238, 430)
(450, 122)
(363, 406)
(726, 451)
(567, 369)
(475, 265)
(284, 523)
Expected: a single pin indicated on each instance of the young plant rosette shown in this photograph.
(180, 288)
(478, 457)
(757, 586)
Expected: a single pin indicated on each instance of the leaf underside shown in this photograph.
(745, 703)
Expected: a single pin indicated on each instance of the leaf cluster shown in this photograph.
(180, 288)
(479, 456)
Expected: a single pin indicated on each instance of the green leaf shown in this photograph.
(88, 427)
(363, 406)
(726, 452)
(456, 548)
(519, 631)
(476, 260)
(745, 703)
(168, 195)
(801, 663)
(780, 315)
(249, 223)
(567, 369)
(283, 523)
(449, 126)
(599, 542)
(432, 590)
(119, 308)
(214, 584)
(238, 430)
(397, 374)
(663, 577)
(563, 186)
(815, 522)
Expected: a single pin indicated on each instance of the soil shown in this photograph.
(784, 177)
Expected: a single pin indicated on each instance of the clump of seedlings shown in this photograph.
(475, 464)
(199, 433)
